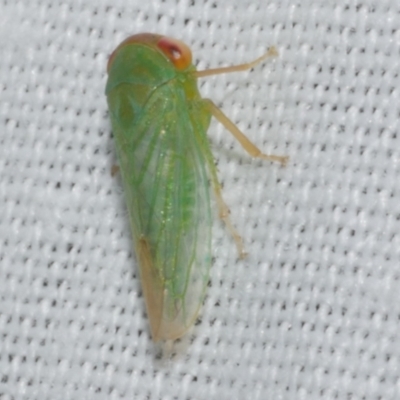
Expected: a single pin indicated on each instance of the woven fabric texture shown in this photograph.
(313, 312)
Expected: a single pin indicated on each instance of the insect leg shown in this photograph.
(252, 149)
(114, 170)
(223, 209)
(272, 52)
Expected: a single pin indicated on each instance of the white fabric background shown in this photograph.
(313, 312)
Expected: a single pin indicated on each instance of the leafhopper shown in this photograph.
(160, 123)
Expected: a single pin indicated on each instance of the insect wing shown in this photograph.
(167, 193)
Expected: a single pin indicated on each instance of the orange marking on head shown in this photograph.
(149, 38)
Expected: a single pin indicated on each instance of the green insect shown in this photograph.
(160, 122)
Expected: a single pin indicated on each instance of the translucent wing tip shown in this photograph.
(162, 327)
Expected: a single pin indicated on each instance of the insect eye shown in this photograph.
(178, 53)
(175, 52)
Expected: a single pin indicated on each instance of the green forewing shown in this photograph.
(162, 150)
